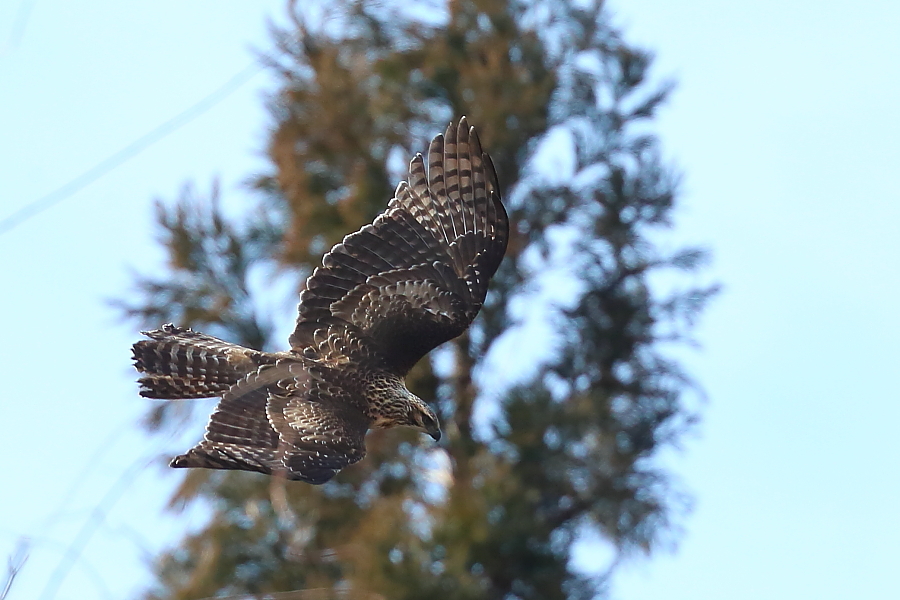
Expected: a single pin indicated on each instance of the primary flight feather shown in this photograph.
(383, 298)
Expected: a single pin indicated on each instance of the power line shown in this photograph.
(91, 524)
(19, 23)
(130, 151)
(98, 515)
(73, 552)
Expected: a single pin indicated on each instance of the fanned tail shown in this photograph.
(179, 363)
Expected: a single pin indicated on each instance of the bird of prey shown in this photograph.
(383, 298)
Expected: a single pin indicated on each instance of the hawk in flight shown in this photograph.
(383, 298)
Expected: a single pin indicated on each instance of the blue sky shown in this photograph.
(784, 125)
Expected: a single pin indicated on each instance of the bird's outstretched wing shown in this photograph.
(282, 420)
(418, 275)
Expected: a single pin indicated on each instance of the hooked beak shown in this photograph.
(434, 432)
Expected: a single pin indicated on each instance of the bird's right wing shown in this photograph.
(283, 420)
(418, 275)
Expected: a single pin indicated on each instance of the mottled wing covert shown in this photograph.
(418, 275)
(283, 420)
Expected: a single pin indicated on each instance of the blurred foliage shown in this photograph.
(493, 513)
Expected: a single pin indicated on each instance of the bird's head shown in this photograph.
(394, 405)
(422, 417)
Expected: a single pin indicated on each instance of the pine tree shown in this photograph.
(493, 512)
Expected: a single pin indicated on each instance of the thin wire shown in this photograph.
(19, 24)
(131, 150)
(36, 544)
(92, 463)
(73, 552)
(97, 517)
(92, 524)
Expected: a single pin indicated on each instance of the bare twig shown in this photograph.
(14, 564)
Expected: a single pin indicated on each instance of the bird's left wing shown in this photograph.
(283, 420)
(418, 275)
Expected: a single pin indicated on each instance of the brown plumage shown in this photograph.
(382, 299)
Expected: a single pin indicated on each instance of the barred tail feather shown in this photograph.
(179, 363)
